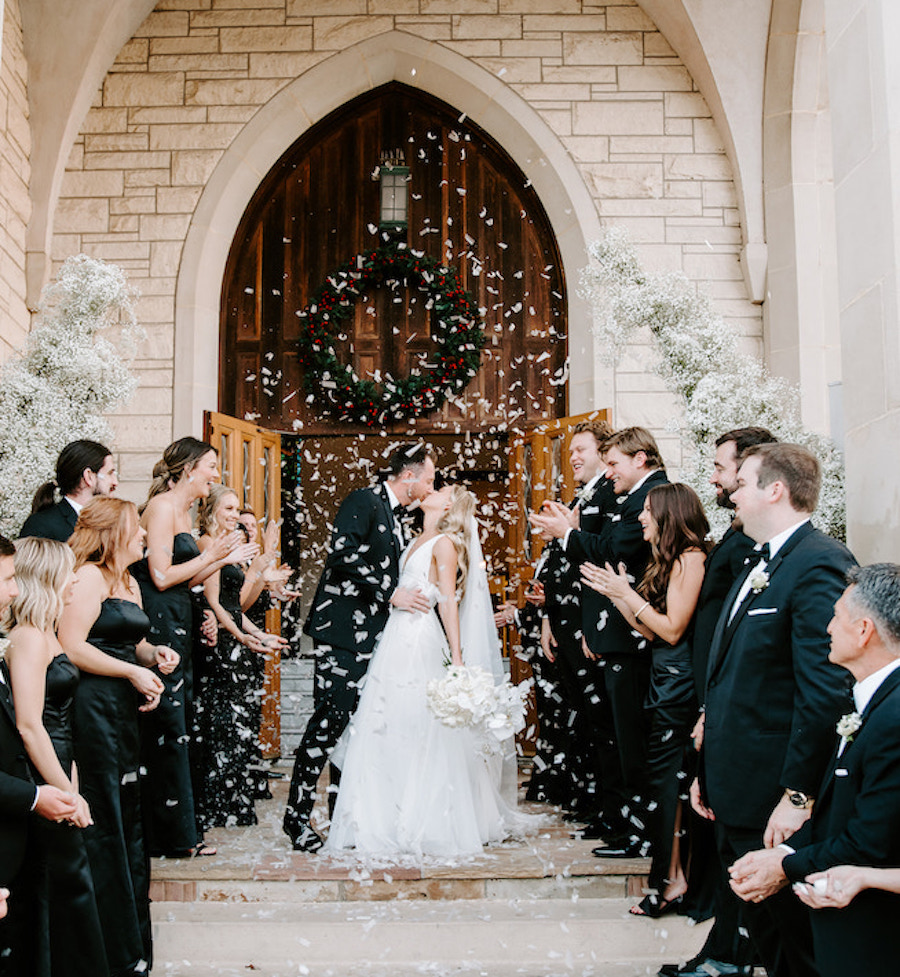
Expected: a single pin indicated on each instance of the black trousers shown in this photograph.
(779, 926)
(339, 672)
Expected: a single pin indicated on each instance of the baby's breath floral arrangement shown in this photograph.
(698, 356)
(73, 369)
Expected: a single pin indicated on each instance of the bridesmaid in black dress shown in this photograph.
(225, 715)
(174, 565)
(104, 631)
(43, 683)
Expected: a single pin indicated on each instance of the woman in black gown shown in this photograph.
(43, 683)
(662, 609)
(225, 713)
(173, 565)
(104, 632)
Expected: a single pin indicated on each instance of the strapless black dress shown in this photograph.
(107, 749)
(68, 897)
(168, 797)
(225, 719)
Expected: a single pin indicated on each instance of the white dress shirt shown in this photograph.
(775, 544)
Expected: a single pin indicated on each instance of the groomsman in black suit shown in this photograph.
(725, 949)
(357, 588)
(634, 465)
(772, 696)
(84, 469)
(856, 817)
(19, 797)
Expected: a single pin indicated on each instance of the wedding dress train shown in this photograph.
(411, 786)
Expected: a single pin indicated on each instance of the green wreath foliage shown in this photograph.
(456, 331)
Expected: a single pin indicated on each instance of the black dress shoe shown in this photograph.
(705, 967)
(597, 828)
(307, 840)
(629, 849)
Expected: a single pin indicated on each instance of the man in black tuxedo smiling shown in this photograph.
(357, 588)
(772, 696)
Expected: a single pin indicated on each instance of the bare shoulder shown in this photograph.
(27, 641)
(444, 550)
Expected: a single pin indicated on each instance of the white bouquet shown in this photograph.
(467, 697)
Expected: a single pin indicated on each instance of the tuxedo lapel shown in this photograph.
(395, 527)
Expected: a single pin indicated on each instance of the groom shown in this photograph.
(357, 588)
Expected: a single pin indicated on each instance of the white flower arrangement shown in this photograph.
(467, 697)
(698, 356)
(759, 580)
(848, 725)
(73, 369)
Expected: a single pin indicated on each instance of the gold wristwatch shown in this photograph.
(799, 799)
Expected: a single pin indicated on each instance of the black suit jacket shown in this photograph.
(352, 600)
(55, 522)
(856, 821)
(16, 787)
(724, 565)
(620, 540)
(560, 576)
(772, 696)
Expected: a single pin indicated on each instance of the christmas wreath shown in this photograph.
(456, 331)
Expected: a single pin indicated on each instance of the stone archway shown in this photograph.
(393, 56)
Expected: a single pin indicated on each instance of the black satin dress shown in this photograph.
(226, 719)
(168, 798)
(68, 898)
(107, 748)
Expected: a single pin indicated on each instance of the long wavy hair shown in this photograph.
(455, 524)
(43, 568)
(207, 522)
(681, 525)
(104, 527)
(177, 461)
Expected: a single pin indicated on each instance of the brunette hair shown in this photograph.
(102, 532)
(681, 525)
(454, 523)
(70, 467)
(631, 440)
(795, 467)
(408, 457)
(744, 438)
(600, 428)
(177, 461)
(206, 513)
(43, 566)
(6, 547)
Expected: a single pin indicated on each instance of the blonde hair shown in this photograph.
(209, 507)
(454, 524)
(104, 527)
(43, 568)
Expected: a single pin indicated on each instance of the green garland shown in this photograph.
(456, 330)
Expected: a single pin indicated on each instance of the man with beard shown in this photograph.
(724, 946)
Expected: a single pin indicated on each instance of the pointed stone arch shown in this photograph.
(392, 56)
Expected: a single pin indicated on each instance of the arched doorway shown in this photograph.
(470, 206)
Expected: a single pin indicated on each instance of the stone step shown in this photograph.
(499, 937)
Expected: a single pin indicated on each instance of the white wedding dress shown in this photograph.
(411, 786)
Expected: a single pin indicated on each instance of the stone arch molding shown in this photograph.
(393, 56)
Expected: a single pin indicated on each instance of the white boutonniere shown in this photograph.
(759, 580)
(583, 493)
(848, 725)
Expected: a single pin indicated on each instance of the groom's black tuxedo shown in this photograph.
(351, 603)
(349, 612)
(54, 522)
(856, 821)
(772, 701)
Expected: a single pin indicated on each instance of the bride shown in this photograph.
(411, 786)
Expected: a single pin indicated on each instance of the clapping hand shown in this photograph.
(605, 580)
(554, 520)
(505, 614)
(535, 593)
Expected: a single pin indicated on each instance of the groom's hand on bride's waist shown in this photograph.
(407, 599)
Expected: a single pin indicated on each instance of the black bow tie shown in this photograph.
(397, 509)
(763, 553)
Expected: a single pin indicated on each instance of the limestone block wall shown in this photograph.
(15, 204)
(196, 71)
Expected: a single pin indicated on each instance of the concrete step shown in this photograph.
(525, 937)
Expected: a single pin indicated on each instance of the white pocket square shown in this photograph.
(762, 610)
(842, 772)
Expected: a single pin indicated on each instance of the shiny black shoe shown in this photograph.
(705, 967)
(307, 840)
(624, 848)
(597, 828)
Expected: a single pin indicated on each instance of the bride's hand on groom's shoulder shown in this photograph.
(406, 599)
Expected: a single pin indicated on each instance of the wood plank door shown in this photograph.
(538, 470)
(250, 460)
